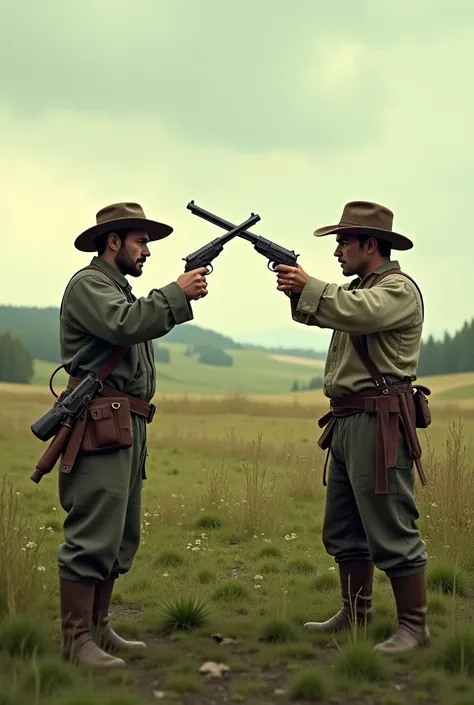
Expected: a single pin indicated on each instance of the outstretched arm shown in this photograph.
(96, 306)
(390, 305)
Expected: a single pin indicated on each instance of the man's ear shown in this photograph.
(371, 245)
(114, 242)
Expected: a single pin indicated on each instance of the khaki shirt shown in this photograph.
(97, 314)
(390, 314)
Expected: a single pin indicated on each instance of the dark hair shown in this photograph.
(384, 246)
(101, 242)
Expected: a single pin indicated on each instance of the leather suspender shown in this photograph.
(360, 341)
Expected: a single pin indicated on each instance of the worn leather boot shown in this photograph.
(100, 617)
(412, 632)
(356, 580)
(76, 600)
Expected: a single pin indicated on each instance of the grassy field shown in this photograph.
(251, 373)
(232, 518)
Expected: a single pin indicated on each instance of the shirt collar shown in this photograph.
(111, 271)
(391, 264)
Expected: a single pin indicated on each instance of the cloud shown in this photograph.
(255, 107)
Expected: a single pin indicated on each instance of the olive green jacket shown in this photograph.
(390, 314)
(97, 314)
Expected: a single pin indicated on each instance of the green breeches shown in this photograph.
(360, 524)
(102, 498)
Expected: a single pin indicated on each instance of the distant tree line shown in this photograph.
(38, 329)
(209, 355)
(314, 383)
(451, 354)
(16, 363)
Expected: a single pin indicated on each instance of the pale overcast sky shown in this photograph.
(284, 109)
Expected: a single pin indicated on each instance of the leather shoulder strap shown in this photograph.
(115, 356)
(118, 351)
(403, 274)
(371, 367)
(99, 269)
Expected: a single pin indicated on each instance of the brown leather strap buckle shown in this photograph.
(151, 413)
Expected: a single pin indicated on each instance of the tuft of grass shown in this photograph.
(431, 681)
(304, 480)
(21, 574)
(269, 567)
(309, 685)
(49, 676)
(120, 699)
(359, 662)
(436, 605)
(264, 506)
(325, 581)
(205, 576)
(270, 552)
(217, 491)
(231, 591)
(182, 683)
(183, 613)
(446, 579)
(300, 566)
(209, 521)
(447, 503)
(276, 631)
(392, 699)
(455, 652)
(169, 559)
(383, 627)
(22, 637)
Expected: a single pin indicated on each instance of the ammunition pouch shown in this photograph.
(107, 426)
(422, 409)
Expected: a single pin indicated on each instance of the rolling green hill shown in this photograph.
(252, 373)
(38, 329)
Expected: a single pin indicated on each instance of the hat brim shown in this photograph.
(397, 241)
(87, 240)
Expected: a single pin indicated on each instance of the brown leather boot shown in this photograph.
(412, 632)
(100, 618)
(76, 599)
(356, 580)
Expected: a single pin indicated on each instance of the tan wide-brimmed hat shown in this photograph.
(120, 215)
(367, 217)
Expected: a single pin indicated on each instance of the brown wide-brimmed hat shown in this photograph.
(371, 218)
(120, 215)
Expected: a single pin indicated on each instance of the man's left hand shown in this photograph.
(291, 280)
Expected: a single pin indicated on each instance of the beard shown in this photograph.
(127, 265)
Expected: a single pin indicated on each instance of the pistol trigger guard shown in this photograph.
(212, 268)
(270, 266)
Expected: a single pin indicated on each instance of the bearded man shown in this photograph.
(370, 513)
(105, 330)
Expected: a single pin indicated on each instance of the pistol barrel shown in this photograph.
(220, 222)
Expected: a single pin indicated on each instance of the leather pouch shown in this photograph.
(108, 425)
(422, 408)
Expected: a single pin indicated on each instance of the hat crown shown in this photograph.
(367, 214)
(117, 211)
(125, 215)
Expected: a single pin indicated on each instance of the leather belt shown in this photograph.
(137, 406)
(390, 406)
